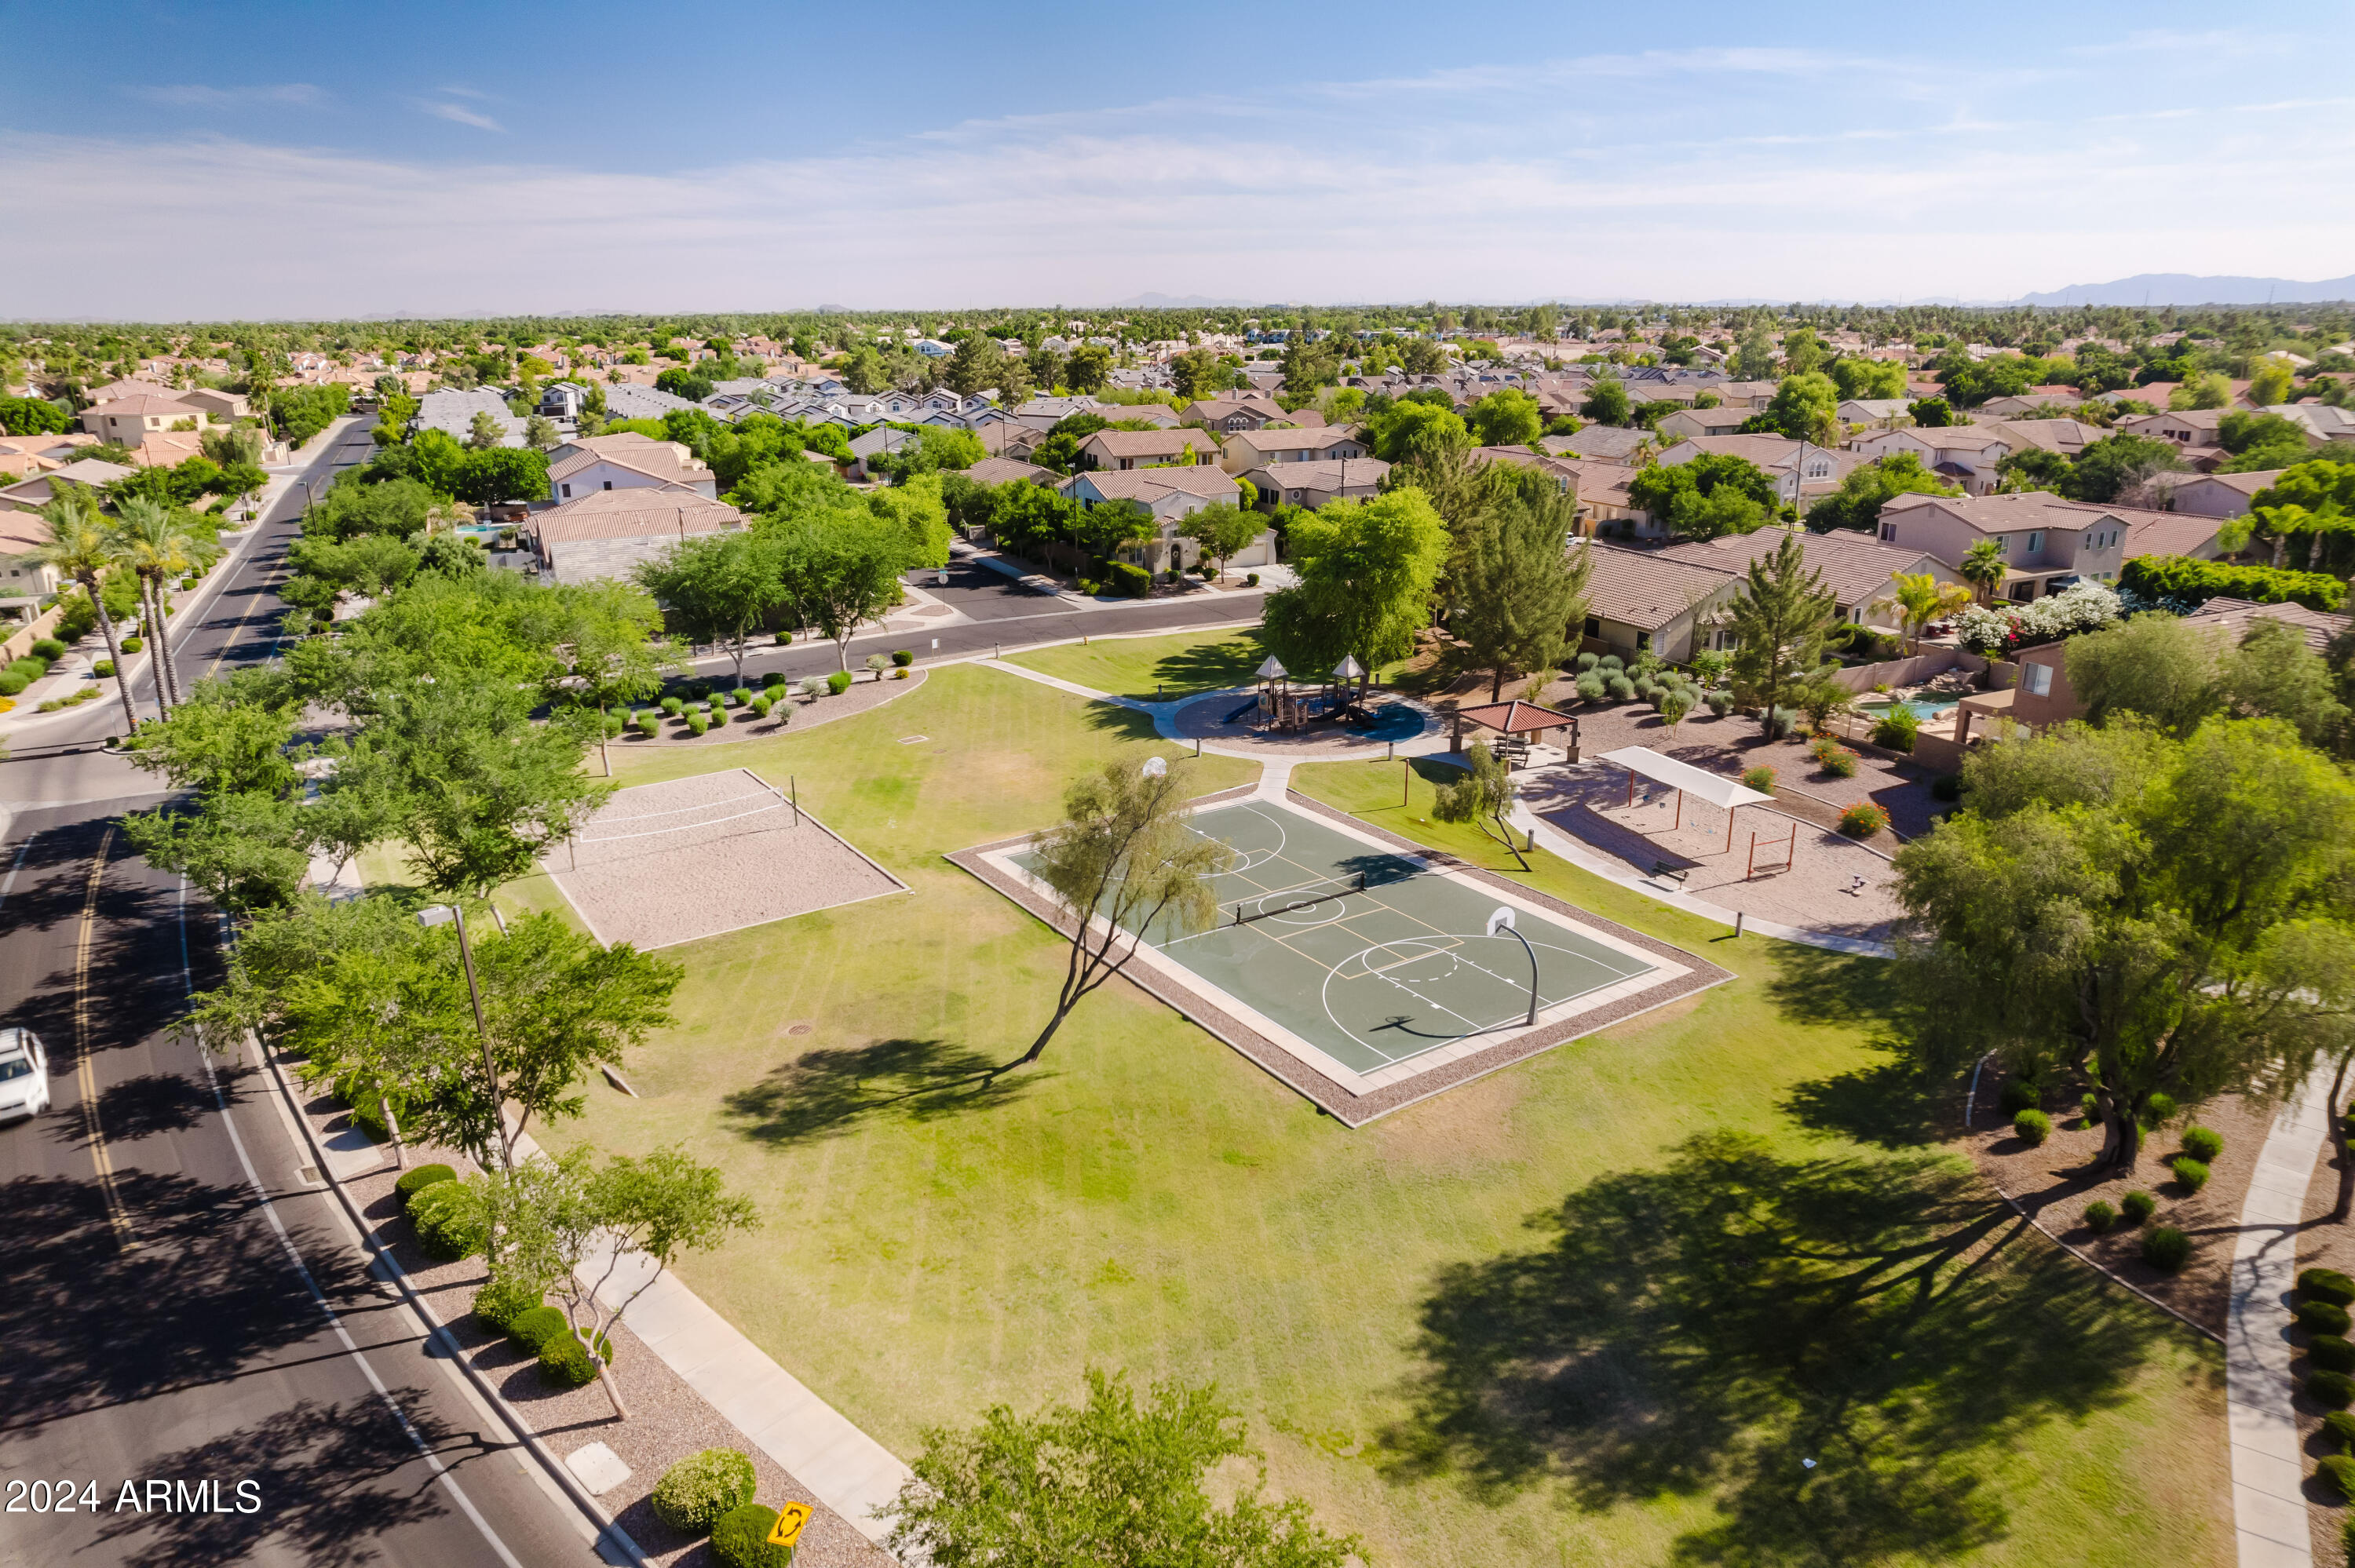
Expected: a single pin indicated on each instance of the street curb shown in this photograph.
(607, 1529)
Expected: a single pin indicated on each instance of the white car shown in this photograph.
(24, 1075)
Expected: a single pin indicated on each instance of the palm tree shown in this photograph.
(1925, 599)
(154, 544)
(78, 548)
(1983, 567)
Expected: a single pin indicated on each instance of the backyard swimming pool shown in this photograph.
(1925, 708)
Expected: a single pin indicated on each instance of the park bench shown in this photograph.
(1673, 872)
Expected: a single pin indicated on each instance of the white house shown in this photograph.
(626, 460)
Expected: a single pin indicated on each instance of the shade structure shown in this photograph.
(1349, 668)
(1271, 670)
(1515, 718)
(1699, 782)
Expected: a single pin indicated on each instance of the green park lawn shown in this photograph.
(1594, 1308)
(1146, 668)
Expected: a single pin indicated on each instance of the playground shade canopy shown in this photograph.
(1699, 782)
(1515, 718)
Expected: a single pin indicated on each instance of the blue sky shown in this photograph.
(170, 161)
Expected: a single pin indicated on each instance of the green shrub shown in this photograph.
(2331, 1352)
(2322, 1317)
(649, 723)
(2138, 1207)
(1898, 729)
(416, 1178)
(1591, 688)
(501, 1301)
(2100, 1217)
(2192, 1174)
(740, 1539)
(2160, 1111)
(739, 697)
(2339, 1427)
(2327, 1285)
(103, 668)
(693, 1494)
(132, 645)
(2332, 1390)
(814, 685)
(2089, 1105)
(759, 707)
(563, 1362)
(903, 657)
(12, 682)
(1841, 764)
(839, 681)
(1621, 688)
(1721, 701)
(1127, 579)
(2339, 1470)
(2032, 1125)
(674, 705)
(2202, 1144)
(529, 1328)
(449, 1221)
(718, 716)
(1761, 779)
(2166, 1249)
(1781, 722)
(1251, 579)
(2020, 1093)
(2181, 578)
(1946, 786)
(1586, 662)
(49, 648)
(698, 722)
(1863, 819)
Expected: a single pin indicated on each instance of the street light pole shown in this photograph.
(1502, 920)
(450, 914)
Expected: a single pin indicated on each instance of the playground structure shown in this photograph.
(1726, 794)
(1340, 698)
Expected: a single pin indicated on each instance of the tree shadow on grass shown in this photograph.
(1894, 1103)
(1206, 666)
(1708, 1326)
(1848, 990)
(827, 1093)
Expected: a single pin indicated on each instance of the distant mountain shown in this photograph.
(2182, 288)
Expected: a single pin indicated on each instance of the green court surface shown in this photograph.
(1375, 977)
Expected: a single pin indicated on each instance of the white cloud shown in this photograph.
(461, 114)
(1519, 190)
(193, 95)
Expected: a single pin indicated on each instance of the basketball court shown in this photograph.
(1374, 964)
(664, 863)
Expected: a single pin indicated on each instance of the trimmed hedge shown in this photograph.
(2032, 1125)
(448, 1226)
(2339, 1426)
(903, 657)
(1127, 579)
(2327, 1285)
(2166, 1248)
(2202, 1144)
(698, 723)
(696, 1493)
(838, 682)
(2100, 1217)
(2020, 1095)
(418, 1178)
(2331, 1390)
(563, 1362)
(2339, 1471)
(2180, 577)
(2192, 1174)
(531, 1328)
(500, 1302)
(2138, 1207)
(740, 1539)
(2322, 1317)
(2331, 1352)
(49, 648)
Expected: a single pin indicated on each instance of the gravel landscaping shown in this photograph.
(798, 713)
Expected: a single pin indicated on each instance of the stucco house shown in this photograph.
(1643, 601)
(1804, 473)
(2048, 544)
(1119, 451)
(127, 421)
(1312, 484)
(1247, 449)
(626, 460)
(1860, 572)
(607, 533)
(1171, 495)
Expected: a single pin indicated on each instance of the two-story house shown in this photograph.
(1117, 451)
(1171, 495)
(1860, 572)
(626, 460)
(128, 421)
(1247, 449)
(2047, 543)
(1804, 473)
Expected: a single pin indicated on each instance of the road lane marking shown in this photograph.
(83, 1073)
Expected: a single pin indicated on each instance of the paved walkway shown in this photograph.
(2268, 1467)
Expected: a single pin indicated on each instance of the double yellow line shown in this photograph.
(83, 1073)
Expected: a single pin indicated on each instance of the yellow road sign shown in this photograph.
(787, 1530)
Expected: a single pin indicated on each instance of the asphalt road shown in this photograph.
(180, 1304)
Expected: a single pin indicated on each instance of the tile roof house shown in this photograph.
(1719, 421)
(1612, 443)
(1312, 484)
(2048, 543)
(32, 494)
(2234, 615)
(1860, 571)
(24, 456)
(1643, 601)
(2175, 532)
(625, 401)
(2216, 494)
(626, 460)
(1246, 411)
(1247, 449)
(1171, 495)
(607, 533)
(1116, 451)
(1002, 471)
(23, 578)
(1782, 458)
(452, 413)
(128, 420)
